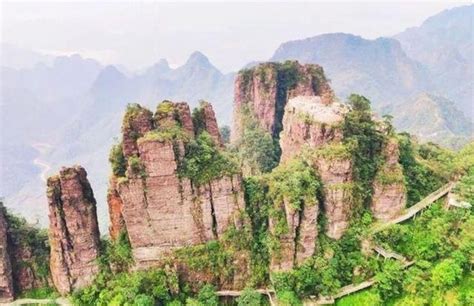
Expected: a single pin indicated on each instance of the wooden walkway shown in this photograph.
(388, 254)
(413, 210)
(59, 301)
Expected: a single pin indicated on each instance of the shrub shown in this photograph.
(204, 162)
(117, 160)
(249, 297)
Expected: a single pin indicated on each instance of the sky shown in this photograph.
(138, 34)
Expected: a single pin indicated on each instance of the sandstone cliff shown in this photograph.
(312, 126)
(162, 209)
(389, 197)
(74, 233)
(264, 90)
(6, 278)
(299, 242)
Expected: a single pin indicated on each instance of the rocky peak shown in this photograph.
(161, 208)
(309, 122)
(206, 120)
(136, 123)
(265, 89)
(74, 232)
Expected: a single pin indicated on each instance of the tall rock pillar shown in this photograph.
(74, 232)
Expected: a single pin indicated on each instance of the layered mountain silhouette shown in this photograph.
(75, 105)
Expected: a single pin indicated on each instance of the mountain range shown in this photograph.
(66, 110)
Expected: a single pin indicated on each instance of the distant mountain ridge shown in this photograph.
(378, 68)
(436, 119)
(76, 104)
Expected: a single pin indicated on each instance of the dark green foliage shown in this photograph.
(257, 209)
(40, 293)
(331, 267)
(117, 160)
(361, 133)
(420, 179)
(118, 253)
(207, 296)
(225, 134)
(25, 236)
(258, 152)
(198, 119)
(250, 297)
(204, 161)
(389, 280)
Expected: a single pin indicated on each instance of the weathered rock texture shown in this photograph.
(311, 123)
(6, 277)
(336, 176)
(117, 224)
(316, 124)
(299, 243)
(210, 122)
(162, 210)
(74, 233)
(139, 121)
(389, 197)
(264, 90)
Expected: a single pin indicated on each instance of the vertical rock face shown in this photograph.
(308, 122)
(336, 176)
(389, 197)
(313, 123)
(6, 278)
(264, 90)
(161, 209)
(117, 224)
(74, 233)
(299, 242)
(210, 123)
(139, 121)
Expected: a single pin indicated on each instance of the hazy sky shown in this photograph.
(137, 34)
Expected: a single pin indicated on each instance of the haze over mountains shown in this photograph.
(69, 108)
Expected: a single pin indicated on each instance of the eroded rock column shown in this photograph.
(74, 233)
(389, 197)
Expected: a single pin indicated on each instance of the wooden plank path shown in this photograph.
(349, 289)
(413, 210)
(388, 254)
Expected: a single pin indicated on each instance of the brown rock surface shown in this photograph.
(163, 212)
(336, 176)
(74, 233)
(300, 242)
(6, 278)
(389, 198)
(136, 123)
(265, 89)
(117, 224)
(210, 123)
(308, 122)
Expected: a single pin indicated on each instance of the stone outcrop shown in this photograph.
(389, 197)
(163, 210)
(210, 122)
(299, 242)
(314, 123)
(74, 233)
(138, 121)
(311, 123)
(336, 176)
(117, 223)
(264, 90)
(6, 277)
